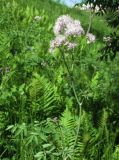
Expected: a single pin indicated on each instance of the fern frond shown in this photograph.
(43, 95)
(68, 123)
(103, 119)
(73, 139)
(113, 18)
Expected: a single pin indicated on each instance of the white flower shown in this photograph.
(37, 18)
(61, 24)
(91, 38)
(97, 8)
(84, 7)
(107, 39)
(74, 28)
(71, 45)
(64, 27)
(57, 42)
(67, 26)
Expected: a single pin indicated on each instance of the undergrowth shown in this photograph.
(54, 106)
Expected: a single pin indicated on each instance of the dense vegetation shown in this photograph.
(55, 106)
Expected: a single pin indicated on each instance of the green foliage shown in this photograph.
(111, 11)
(43, 97)
(54, 106)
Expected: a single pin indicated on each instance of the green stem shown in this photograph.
(90, 22)
(72, 81)
(76, 97)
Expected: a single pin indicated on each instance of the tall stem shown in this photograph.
(90, 21)
(71, 79)
(76, 97)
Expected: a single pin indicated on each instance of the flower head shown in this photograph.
(67, 26)
(74, 28)
(91, 38)
(70, 45)
(57, 42)
(61, 24)
(64, 27)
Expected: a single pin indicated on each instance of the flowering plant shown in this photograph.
(65, 27)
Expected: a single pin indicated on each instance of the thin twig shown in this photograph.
(3, 153)
(90, 22)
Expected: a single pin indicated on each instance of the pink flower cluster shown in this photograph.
(64, 27)
(59, 41)
(67, 26)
